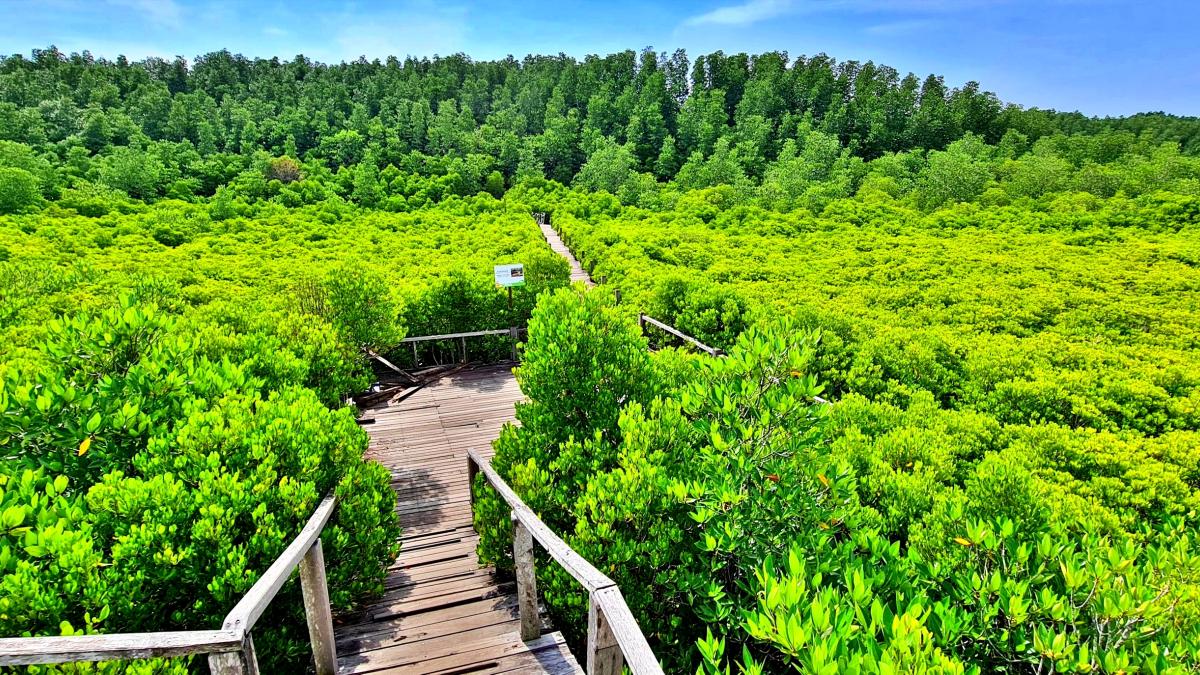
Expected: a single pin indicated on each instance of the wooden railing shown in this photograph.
(644, 320)
(230, 650)
(613, 638)
(462, 337)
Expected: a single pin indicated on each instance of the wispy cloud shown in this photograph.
(417, 28)
(901, 27)
(751, 11)
(275, 31)
(755, 11)
(162, 12)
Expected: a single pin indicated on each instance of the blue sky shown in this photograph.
(1102, 57)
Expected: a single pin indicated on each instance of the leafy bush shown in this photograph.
(708, 312)
(647, 488)
(174, 478)
(18, 190)
(358, 303)
(740, 516)
(169, 445)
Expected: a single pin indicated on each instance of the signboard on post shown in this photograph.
(508, 276)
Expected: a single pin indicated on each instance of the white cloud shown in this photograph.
(419, 28)
(901, 27)
(275, 31)
(162, 12)
(751, 11)
(754, 11)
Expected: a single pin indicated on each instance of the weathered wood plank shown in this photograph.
(440, 606)
(122, 646)
(451, 336)
(646, 319)
(584, 572)
(242, 662)
(557, 245)
(526, 581)
(603, 651)
(610, 604)
(317, 611)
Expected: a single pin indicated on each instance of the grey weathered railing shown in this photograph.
(512, 333)
(230, 650)
(644, 319)
(613, 638)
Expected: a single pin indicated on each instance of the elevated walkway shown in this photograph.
(442, 612)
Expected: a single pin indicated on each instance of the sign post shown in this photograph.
(509, 276)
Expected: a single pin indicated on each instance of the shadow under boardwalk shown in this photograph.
(441, 612)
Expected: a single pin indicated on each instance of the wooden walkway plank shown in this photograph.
(441, 611)
(557, 245)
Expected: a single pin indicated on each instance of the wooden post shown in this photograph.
(603, 653)
(512, 337)
(415, 361)
(531, 628)
(464, 349)
(241, 662)
(472, 471)
(617, 295)
(317, 610)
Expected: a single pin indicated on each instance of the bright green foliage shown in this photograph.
(18, 190)
(861, 537)
(1014, 395)
(1025, 315)
(1000, 303)
(175, 479)
(666, 495)
(1021, 598)
(172, 402)
(583, 361)
(708, 312)
(358, 304)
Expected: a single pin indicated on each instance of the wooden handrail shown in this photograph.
(123, 646)
(462, 337)
(231, 649)
(614, 638)
(644, 319)
(584, 572)
(451, 336)
(245, 614)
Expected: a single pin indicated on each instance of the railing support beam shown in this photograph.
(523, 566)
(472, 471)
(603, 651)
(242, 662)
(317, 610)
(614, 638)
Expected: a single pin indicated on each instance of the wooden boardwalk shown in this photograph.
(441, 611)
(557, 245)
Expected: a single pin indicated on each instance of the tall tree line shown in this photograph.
(541, 114)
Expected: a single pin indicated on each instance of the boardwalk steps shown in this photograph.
(441, 612)
(557, 245)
